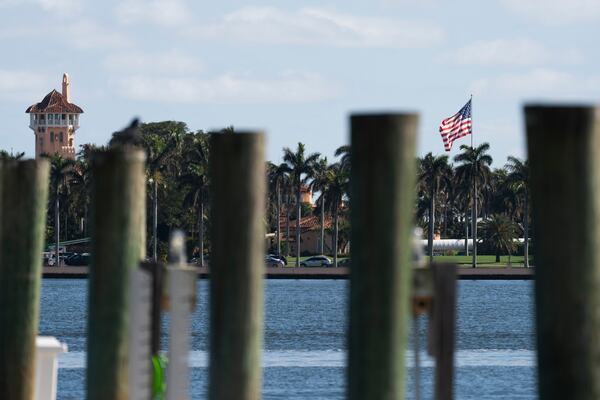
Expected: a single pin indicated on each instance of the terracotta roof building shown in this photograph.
(54, 121)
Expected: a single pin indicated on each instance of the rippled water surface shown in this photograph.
(305, 338)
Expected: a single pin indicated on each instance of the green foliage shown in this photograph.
(177, 167)
(499, 235)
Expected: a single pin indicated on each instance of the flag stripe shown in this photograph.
(456, 126)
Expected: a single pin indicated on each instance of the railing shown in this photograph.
(67, 150)
(33, 124)
(565, 186)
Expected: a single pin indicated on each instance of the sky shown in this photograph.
(297, 70)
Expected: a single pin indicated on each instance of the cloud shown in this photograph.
(81, 34)
(515, 52)
(555, 12)
(289, 87)
(541, 83)
(59, 7)
(87, 34)
(159, 12)
(62, 7)
(172, 62)
(317, 26)
(22, 85)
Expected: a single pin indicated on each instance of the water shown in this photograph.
(305, 340)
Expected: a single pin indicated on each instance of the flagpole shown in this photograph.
(474, 215)
(471, 121)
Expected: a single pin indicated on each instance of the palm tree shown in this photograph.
(474, 170)
(335, 191)
(432, 170)
(344, 153)
(277, 180)
(195, 179)
(81, 184)
(499, 234)
(158, 154)
(300, 168)
(287, 187)
(60, 170)
(319, 183)
(518, 178)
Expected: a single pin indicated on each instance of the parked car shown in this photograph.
(78, 259)
(273, 262)
(316, 261)
(346, 262)
(279, 257)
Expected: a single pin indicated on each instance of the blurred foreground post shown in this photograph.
(382, 193)
(118, 194)
(237, 265)
(182, 301)
(24, 199)
(564, 156)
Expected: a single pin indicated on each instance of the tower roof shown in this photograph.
(54, 102)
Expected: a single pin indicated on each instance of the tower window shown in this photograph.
(51, 136)
(70, 142)
(60, 135)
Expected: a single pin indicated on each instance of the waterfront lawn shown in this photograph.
(463, 261)
(483, 260)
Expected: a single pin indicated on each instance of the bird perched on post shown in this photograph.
(129, 136)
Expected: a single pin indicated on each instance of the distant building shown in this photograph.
(54, 121)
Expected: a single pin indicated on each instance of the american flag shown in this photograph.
(456, 126)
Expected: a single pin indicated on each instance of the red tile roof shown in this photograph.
(310, 223)
(54, 102)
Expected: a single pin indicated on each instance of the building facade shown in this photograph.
(54, 121)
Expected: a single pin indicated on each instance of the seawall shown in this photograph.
(466, 273)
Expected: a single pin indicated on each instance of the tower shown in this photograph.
(54, 121)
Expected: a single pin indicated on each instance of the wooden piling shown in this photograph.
(382, 195)
(443, 324)
(23, 215)
(237, 265)
(118, 195)
(564, 158)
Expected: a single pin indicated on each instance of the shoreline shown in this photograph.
(464, 273)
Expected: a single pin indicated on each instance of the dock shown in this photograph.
(464, 273)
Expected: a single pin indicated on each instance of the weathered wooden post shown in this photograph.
(23, 211)
(564, 158)
(182, 301)
(237, 265)
(382, 193)
(118, 194)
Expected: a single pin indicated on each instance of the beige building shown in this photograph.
(54, 121)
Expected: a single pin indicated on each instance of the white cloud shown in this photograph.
(87, 34)
(81, 34)
(22, 85)
(317, 26)
(289, 87)
(172, 62)
(542, 83)
(556, 12)
(160, 12)
(511, 52)
(62, 7)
